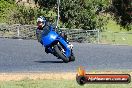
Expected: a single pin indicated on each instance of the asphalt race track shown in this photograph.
(29, 56)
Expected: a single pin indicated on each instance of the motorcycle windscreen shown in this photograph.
(49, 38)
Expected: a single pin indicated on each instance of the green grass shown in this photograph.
(115, 34)
(114, 27)
(57, 84)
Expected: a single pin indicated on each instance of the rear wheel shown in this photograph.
(60, 54)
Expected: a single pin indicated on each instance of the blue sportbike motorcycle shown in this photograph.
(55, 44)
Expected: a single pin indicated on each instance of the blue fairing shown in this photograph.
(67, 49)
(49, 36)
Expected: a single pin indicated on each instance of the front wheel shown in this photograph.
(72, 57)
(61, 54)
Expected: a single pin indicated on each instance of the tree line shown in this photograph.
(84, 14)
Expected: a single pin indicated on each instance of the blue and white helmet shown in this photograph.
(41, 19)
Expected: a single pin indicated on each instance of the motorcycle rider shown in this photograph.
(43, 27)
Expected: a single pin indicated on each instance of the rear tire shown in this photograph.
(60, 54)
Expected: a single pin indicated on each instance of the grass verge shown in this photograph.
(115, 34)
(57, 84)
(53, 80)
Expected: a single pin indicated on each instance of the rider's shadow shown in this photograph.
(49, 61)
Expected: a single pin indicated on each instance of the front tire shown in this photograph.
(60, 54)
(72, 57)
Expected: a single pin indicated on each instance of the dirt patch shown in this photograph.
(53, 76)
(36, 76)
